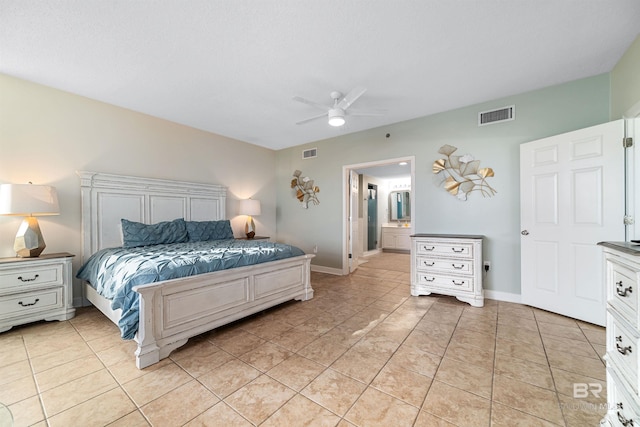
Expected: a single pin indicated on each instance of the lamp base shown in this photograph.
(250, 228)
(29, 242)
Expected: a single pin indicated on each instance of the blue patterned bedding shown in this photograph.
(114, 272)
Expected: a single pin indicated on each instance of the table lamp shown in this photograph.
(251, 208)
(28, 200)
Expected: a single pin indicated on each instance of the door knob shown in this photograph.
(524, 232)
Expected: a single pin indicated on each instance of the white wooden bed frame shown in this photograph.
(173, 311)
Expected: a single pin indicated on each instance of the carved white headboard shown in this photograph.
(107, 198)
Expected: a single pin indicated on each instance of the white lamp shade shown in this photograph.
(249, 207)
(28, 200)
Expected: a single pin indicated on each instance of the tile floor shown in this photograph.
(363, 352)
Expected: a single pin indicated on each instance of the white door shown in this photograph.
(353, 221)
(571, 198)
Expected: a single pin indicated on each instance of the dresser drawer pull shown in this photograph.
(622, 350)
(28, 305)
(429, 280)
(625, 422)
(457, 250)
(427, 264)
(428, 249)
(623, 292)
(458, 267)
(28, 280)
(458, 284)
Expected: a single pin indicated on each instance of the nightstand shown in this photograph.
(35, 289)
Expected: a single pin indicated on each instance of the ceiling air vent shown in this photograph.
(495, 116)
(310, 153)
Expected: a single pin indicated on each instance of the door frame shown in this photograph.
(346, 169)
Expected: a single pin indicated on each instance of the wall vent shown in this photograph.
(495, 116)
(310, 153)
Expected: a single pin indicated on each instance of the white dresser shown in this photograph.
(35, 289)
(623, 333)
(447, 264)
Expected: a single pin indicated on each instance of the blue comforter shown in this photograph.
(114, 272)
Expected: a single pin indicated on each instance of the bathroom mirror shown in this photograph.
(400, 206)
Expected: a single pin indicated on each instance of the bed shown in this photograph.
(171, 311)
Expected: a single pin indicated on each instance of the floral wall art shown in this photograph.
(305, 190)
(461, 175)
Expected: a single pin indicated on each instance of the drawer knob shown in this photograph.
(622, 350)
(458, 284)
(28, 305)
(625, 422)
(623, 291)
(428, 264)
(28, 280)
(428, 249)
(429, 279)
(456, 250)
(458, 267)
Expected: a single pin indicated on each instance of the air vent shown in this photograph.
(310, 153)
(496, 116)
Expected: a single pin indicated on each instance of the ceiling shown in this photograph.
(232, 67)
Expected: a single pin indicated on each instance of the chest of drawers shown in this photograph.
(35, 289)
(622, 263)
(448, 265)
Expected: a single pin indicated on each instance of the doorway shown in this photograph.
(372, 217)
(355, 215)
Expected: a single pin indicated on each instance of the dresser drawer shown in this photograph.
(32, 276)
(623, 291)
(444, 249)
(30, 302)
(445, 282)
(623, 408)
(448, 266)
(622, 349)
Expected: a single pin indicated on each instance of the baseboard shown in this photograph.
(327, 270)
(503, 296)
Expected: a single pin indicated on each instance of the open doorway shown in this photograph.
(385, 176)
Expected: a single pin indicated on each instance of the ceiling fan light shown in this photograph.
(336, 117)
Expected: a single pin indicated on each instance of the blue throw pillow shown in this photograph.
(209, 230)
(138, 234)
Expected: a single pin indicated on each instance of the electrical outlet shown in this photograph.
(487, 266)
(315, 249)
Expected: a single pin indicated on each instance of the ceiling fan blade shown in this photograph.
(351, 97)
(312, 103)
(367, 113)
(310, 119)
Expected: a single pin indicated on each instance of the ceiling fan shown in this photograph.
(336, 113)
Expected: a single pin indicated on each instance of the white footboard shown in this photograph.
(173, 311)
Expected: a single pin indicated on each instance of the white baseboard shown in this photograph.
(503, 296)
(327, 270)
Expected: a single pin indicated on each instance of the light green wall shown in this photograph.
(46, 135)
(539, 114)
(625, 81)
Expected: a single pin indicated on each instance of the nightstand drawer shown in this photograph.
(446, 282)
(448, 266)
(28, 302)
(623, 292)
(445, 249)
(622, 349)
(20, 277)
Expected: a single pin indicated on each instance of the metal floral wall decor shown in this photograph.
(305, 190)
(460, 175)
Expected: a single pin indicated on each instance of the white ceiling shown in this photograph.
(232, 67)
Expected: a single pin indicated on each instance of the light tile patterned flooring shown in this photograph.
(363, 352)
